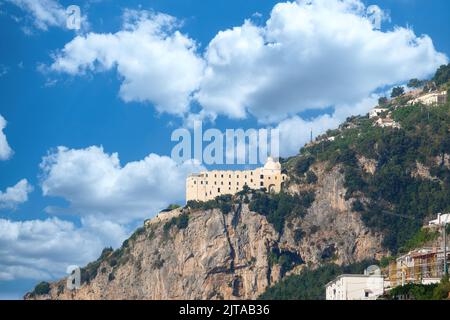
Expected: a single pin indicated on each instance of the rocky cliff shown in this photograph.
(234, 255)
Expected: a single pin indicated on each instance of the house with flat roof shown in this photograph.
(432, 98)
(355, 287)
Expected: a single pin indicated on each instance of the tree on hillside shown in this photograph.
(442, 75)
(397, 92)
(415, 83)
(382, 101)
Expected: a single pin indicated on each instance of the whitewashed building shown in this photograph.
(442, 219)
(355, 287)
(386, 123)
(431, 98)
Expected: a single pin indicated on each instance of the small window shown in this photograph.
(238, 176)
(221, 183)
(206, 182)
(207, 175)
(215, 176)
(262, 176)
(221, 176)
(218, 189)
(229, 176)
(229, 183)
(251, 180)
(215, 183)
(366, 294)
(261, 184)
(195, 182)
(201, 182)
(245, 176)
(237, 183)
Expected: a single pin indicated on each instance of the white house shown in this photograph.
(386, 123)
(442, 219)
(355, 287)
(431, 98)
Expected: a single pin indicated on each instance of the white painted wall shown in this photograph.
(355, 287)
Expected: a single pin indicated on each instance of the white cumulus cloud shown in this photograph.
(309, 55)
(5, 150)
(295, 131)
(44, 13)
(157, 63)
(109, 199)
(43, 249)
(13, 196)
(96, 184)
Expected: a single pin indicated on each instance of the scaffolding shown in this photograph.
(420, 267)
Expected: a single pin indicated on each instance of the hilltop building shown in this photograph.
(207, 185)
(431, 98)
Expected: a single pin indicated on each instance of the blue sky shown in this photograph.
(47, 105)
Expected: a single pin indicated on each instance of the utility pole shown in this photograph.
(444, 230)
(445, 249)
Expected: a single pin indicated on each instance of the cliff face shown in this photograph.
(228, 256)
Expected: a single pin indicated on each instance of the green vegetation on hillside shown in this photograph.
(397, 91)
(181, 222)
(422, 237)
(224, 203)
(442, 75)
(171, 207)
(287, 260)
(310, 284)
(412, 291)
(279, 208)
(393, 200)
(41, 288)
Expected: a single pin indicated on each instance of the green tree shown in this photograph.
(442, 75)
(415, 83)
(397, 92)
(42, 288)
(311, 177)
(383, 101)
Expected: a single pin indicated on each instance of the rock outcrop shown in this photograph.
(227, 256)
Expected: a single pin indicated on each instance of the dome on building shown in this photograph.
(272, 164)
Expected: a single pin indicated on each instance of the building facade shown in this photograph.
(207, 185)
(386, 123)
(431, 98)
(355, 287)
(421, 266)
